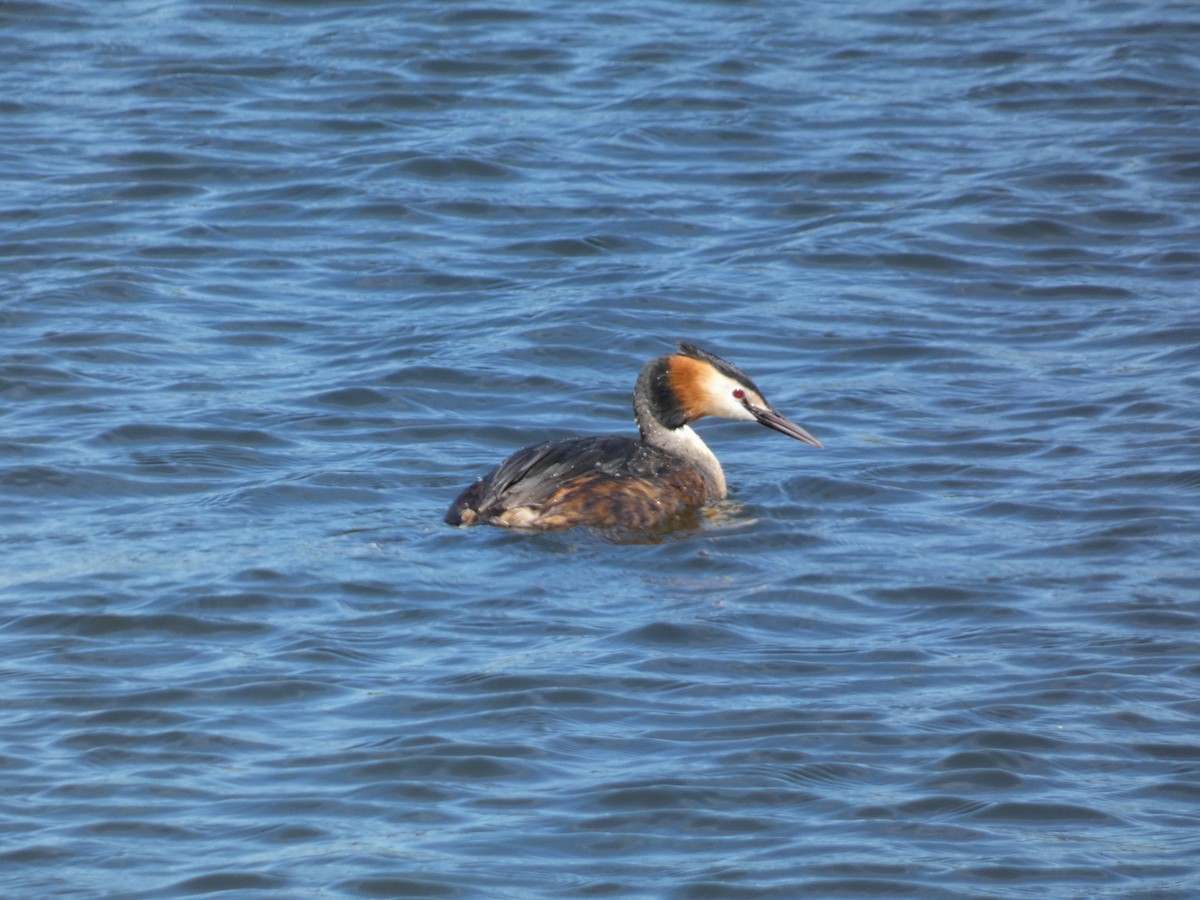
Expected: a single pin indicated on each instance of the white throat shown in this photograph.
(687, 445)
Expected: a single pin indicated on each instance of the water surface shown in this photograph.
(279, 279)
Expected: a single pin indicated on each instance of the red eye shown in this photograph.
(738, 394)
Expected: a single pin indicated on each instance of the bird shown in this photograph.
(617, 482)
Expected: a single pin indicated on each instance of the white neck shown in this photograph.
(687, 445)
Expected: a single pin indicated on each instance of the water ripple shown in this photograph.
(281, 279)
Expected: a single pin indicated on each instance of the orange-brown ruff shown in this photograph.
(619, 482)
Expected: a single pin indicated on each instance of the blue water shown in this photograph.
(280, 278)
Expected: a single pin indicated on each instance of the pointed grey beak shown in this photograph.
(776, 422)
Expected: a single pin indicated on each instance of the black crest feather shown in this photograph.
(666, 406)
(725, 368)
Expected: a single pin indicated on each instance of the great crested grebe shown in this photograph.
(610, 481)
